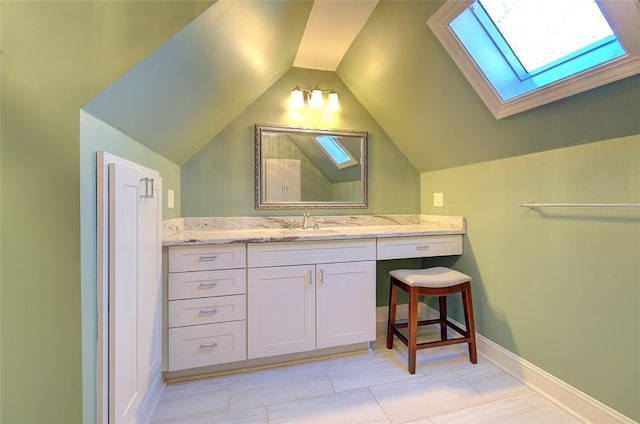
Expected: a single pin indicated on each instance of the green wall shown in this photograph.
(95, 136)
(557, 287)
(56, 56)
(219, 179)
(397, 64)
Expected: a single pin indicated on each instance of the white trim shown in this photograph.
(568, 397)
(564, 395)
(402, 312)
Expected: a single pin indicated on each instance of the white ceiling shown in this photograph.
(330, 30)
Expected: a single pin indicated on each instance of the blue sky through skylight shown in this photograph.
(335, 151)
(542, 31)
(523, 45)
(521, 54)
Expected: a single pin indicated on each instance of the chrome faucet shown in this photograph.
(305, 221)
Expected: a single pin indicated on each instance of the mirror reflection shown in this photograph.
(310, 168)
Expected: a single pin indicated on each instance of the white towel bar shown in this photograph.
(532, 205)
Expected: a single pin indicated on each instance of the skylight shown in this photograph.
(521, 45)
(336, 151)
(540, 36)
(519, 54)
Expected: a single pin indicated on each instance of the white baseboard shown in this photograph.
(402, 312)
(564, 395)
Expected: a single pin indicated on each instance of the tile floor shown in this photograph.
(369, 387)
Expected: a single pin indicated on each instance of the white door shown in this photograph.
(346, 303)
(280, 310)
(134, 287)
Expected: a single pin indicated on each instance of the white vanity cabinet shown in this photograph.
(419, 247)
(240, 302)
(311, 295)
(206, 305)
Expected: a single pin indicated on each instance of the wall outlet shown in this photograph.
(438, 199)
(171, 202)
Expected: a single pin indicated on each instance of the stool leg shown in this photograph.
(469, 321)
(391, 319)
(442, 300)
(413, 328)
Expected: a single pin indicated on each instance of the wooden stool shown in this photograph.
(436, 281)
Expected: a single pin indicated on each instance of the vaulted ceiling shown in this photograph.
(190, 88)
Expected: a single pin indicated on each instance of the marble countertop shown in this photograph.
(221, 230)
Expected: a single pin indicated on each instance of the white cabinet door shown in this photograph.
(134, 288)
(126, 382)
(293, 180)
(283, 180)
(280, 310)
(346, 303)
(274, 180)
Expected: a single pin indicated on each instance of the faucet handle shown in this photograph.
(316, 223)
(305, 221)
(291, 224)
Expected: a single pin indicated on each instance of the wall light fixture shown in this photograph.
(301, 97)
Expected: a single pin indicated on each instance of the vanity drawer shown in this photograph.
(209, 257)
(207, 310)
(310, 252)
(419, 247)
(187, 285)
(203, 345)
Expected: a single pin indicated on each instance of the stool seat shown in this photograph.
(437, 282)
(438, 276)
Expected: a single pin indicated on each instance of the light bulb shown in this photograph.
(332, 102)
(297, 99)
(316, 98)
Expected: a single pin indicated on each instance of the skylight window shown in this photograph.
(521, 45)
(542, 32)
(519, 54)
(336, 151)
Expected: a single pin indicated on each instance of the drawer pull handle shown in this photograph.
(207, 285)
(423, 247)
(208, 258)
(208, 346)
(209, 312)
